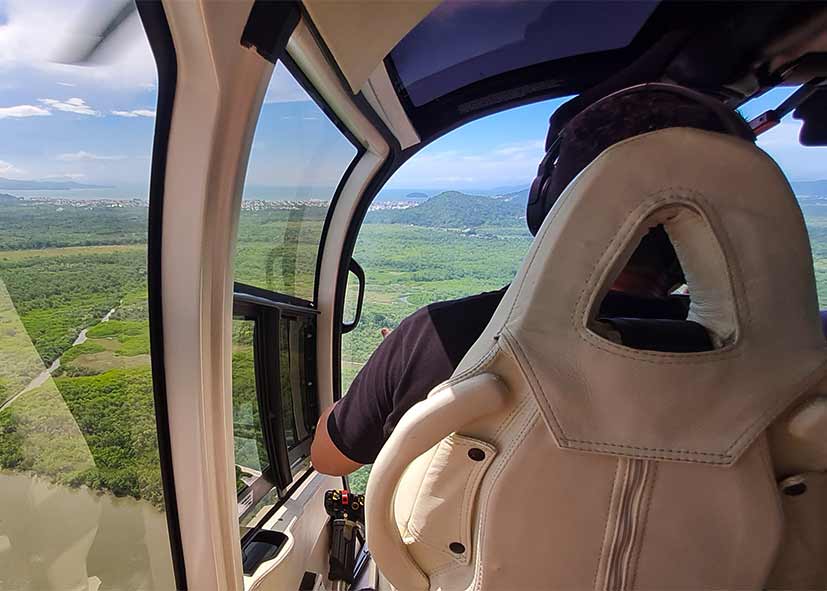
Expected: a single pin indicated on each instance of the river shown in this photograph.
(58, 538)
(44, 375)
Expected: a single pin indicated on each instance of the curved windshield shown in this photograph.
(81, 499)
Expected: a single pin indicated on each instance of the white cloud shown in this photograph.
(83, 155)
(135, 113)
(23, 111)
(474, 167)
(72, 105)
(66, 175)
(532, 148)
(67, 84)
(9, 169)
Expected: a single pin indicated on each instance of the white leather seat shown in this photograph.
(557, 459)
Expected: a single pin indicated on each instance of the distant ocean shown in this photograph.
(126, 192)
(266, 193)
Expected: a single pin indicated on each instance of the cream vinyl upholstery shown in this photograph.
(557, 459)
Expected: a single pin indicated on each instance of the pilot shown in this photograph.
(427, 346)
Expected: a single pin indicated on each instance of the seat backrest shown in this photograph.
(555, 458)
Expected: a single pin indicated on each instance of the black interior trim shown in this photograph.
(259, 32)
(242, 295)
(268, 391)
(268, 316)
(359, 272)
(266, 335)
(272, 297)
(157, 30)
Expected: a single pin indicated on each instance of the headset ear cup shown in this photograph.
(537, 208)
(536, 187)
(533, 207)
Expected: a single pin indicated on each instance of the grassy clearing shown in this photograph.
(16, 255)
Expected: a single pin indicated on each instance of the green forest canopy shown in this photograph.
(65, 269)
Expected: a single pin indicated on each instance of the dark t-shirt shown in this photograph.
(423, 351)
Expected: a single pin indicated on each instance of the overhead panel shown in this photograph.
(360, 33)
(461, 43)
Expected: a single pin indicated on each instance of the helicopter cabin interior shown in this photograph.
(567, 462)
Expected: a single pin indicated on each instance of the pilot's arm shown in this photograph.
(324, 454)
(403, 369)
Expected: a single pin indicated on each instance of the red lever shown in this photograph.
(765, 122)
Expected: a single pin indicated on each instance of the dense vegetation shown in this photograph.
(45, 225)
(277, 249)
(89, 420)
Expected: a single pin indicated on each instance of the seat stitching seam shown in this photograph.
(644, 523)
(606, 523)
(504, 459)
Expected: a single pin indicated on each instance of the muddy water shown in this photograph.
(58, 538)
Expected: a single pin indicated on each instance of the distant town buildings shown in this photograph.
(246, 204)
(63, 202)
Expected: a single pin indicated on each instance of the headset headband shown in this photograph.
(538, 198)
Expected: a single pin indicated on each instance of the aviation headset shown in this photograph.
(540, 201)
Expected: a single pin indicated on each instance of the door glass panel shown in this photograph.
(296, 161)
(81, 497)
(297, 387)
(250, 452)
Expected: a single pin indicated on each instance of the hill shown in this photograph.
(453, 209)
(14, 184)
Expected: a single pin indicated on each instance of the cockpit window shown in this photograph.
(296, 162)
(805, 168)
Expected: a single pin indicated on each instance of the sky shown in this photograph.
(505, 149)
(94, 124)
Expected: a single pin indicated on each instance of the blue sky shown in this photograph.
(95, 124)
(505, 149)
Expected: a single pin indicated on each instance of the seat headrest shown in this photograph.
(741, 240)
